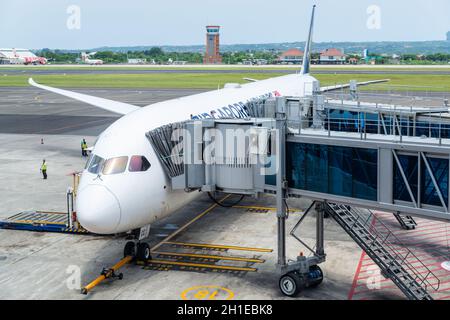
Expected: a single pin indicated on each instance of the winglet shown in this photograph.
(307, 53)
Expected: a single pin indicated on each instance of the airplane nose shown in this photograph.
(98, 210)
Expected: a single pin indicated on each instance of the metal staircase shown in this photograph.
(396, 262)
(407, 222)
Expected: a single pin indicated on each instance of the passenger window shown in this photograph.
(115, 165)
(96, 164)
(139, 164)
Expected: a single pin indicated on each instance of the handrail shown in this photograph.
(393, 245)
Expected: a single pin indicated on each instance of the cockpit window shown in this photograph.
(115, 165)
(95, 164)
(88, 161)
(139, 164)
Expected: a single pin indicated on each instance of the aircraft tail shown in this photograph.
(307, 53)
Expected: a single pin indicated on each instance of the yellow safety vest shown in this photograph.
(84, 146)
(44, 167)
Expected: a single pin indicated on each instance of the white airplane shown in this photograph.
(85, 58)
(23, 56)
(124, 187)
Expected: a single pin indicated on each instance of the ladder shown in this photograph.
(396, 262)
(407, 222)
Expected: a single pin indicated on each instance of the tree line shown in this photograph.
(159, 56)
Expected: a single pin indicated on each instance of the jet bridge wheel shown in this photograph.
(143, 251)
(291, 284)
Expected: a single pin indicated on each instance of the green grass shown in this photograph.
(213, 81)
(437, 83)
(164, 80)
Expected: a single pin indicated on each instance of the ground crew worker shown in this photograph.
(84, 148)
(44, 169)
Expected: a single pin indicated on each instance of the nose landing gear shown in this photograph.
(137, 249)
(140, 251)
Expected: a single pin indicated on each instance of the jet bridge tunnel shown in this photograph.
(343, 155)
(407, 173)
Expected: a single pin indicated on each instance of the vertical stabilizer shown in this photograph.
(307, 54)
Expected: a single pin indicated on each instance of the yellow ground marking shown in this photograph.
(205, 256)
(49, 212)
(266, 208)
(206, 293)
(39, 222)
(201, 215)
(199, 265)
(217, 246)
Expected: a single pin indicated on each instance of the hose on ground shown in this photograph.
(223, 205)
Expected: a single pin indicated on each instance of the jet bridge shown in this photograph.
(349, 157)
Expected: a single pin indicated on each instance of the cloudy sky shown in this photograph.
(77, 24)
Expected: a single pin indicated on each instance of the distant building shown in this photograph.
(332, 56)
(212, 54)
(292, 56)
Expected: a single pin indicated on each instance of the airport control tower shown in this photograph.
(212, 54)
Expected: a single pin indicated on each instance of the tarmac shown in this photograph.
(37, 265)
(227, 69)
(34, 111)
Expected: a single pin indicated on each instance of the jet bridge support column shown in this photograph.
(280, 151)
(320, 248)
(304, 272)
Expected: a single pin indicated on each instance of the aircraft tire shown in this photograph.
(143, 251)
(130, 249)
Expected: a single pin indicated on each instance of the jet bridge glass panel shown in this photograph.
(440, 169)
(342, 171)
(410, 169)
(428, 192)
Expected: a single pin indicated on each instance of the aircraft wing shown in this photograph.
(347, 85)
(110, 105)
(250, 80)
